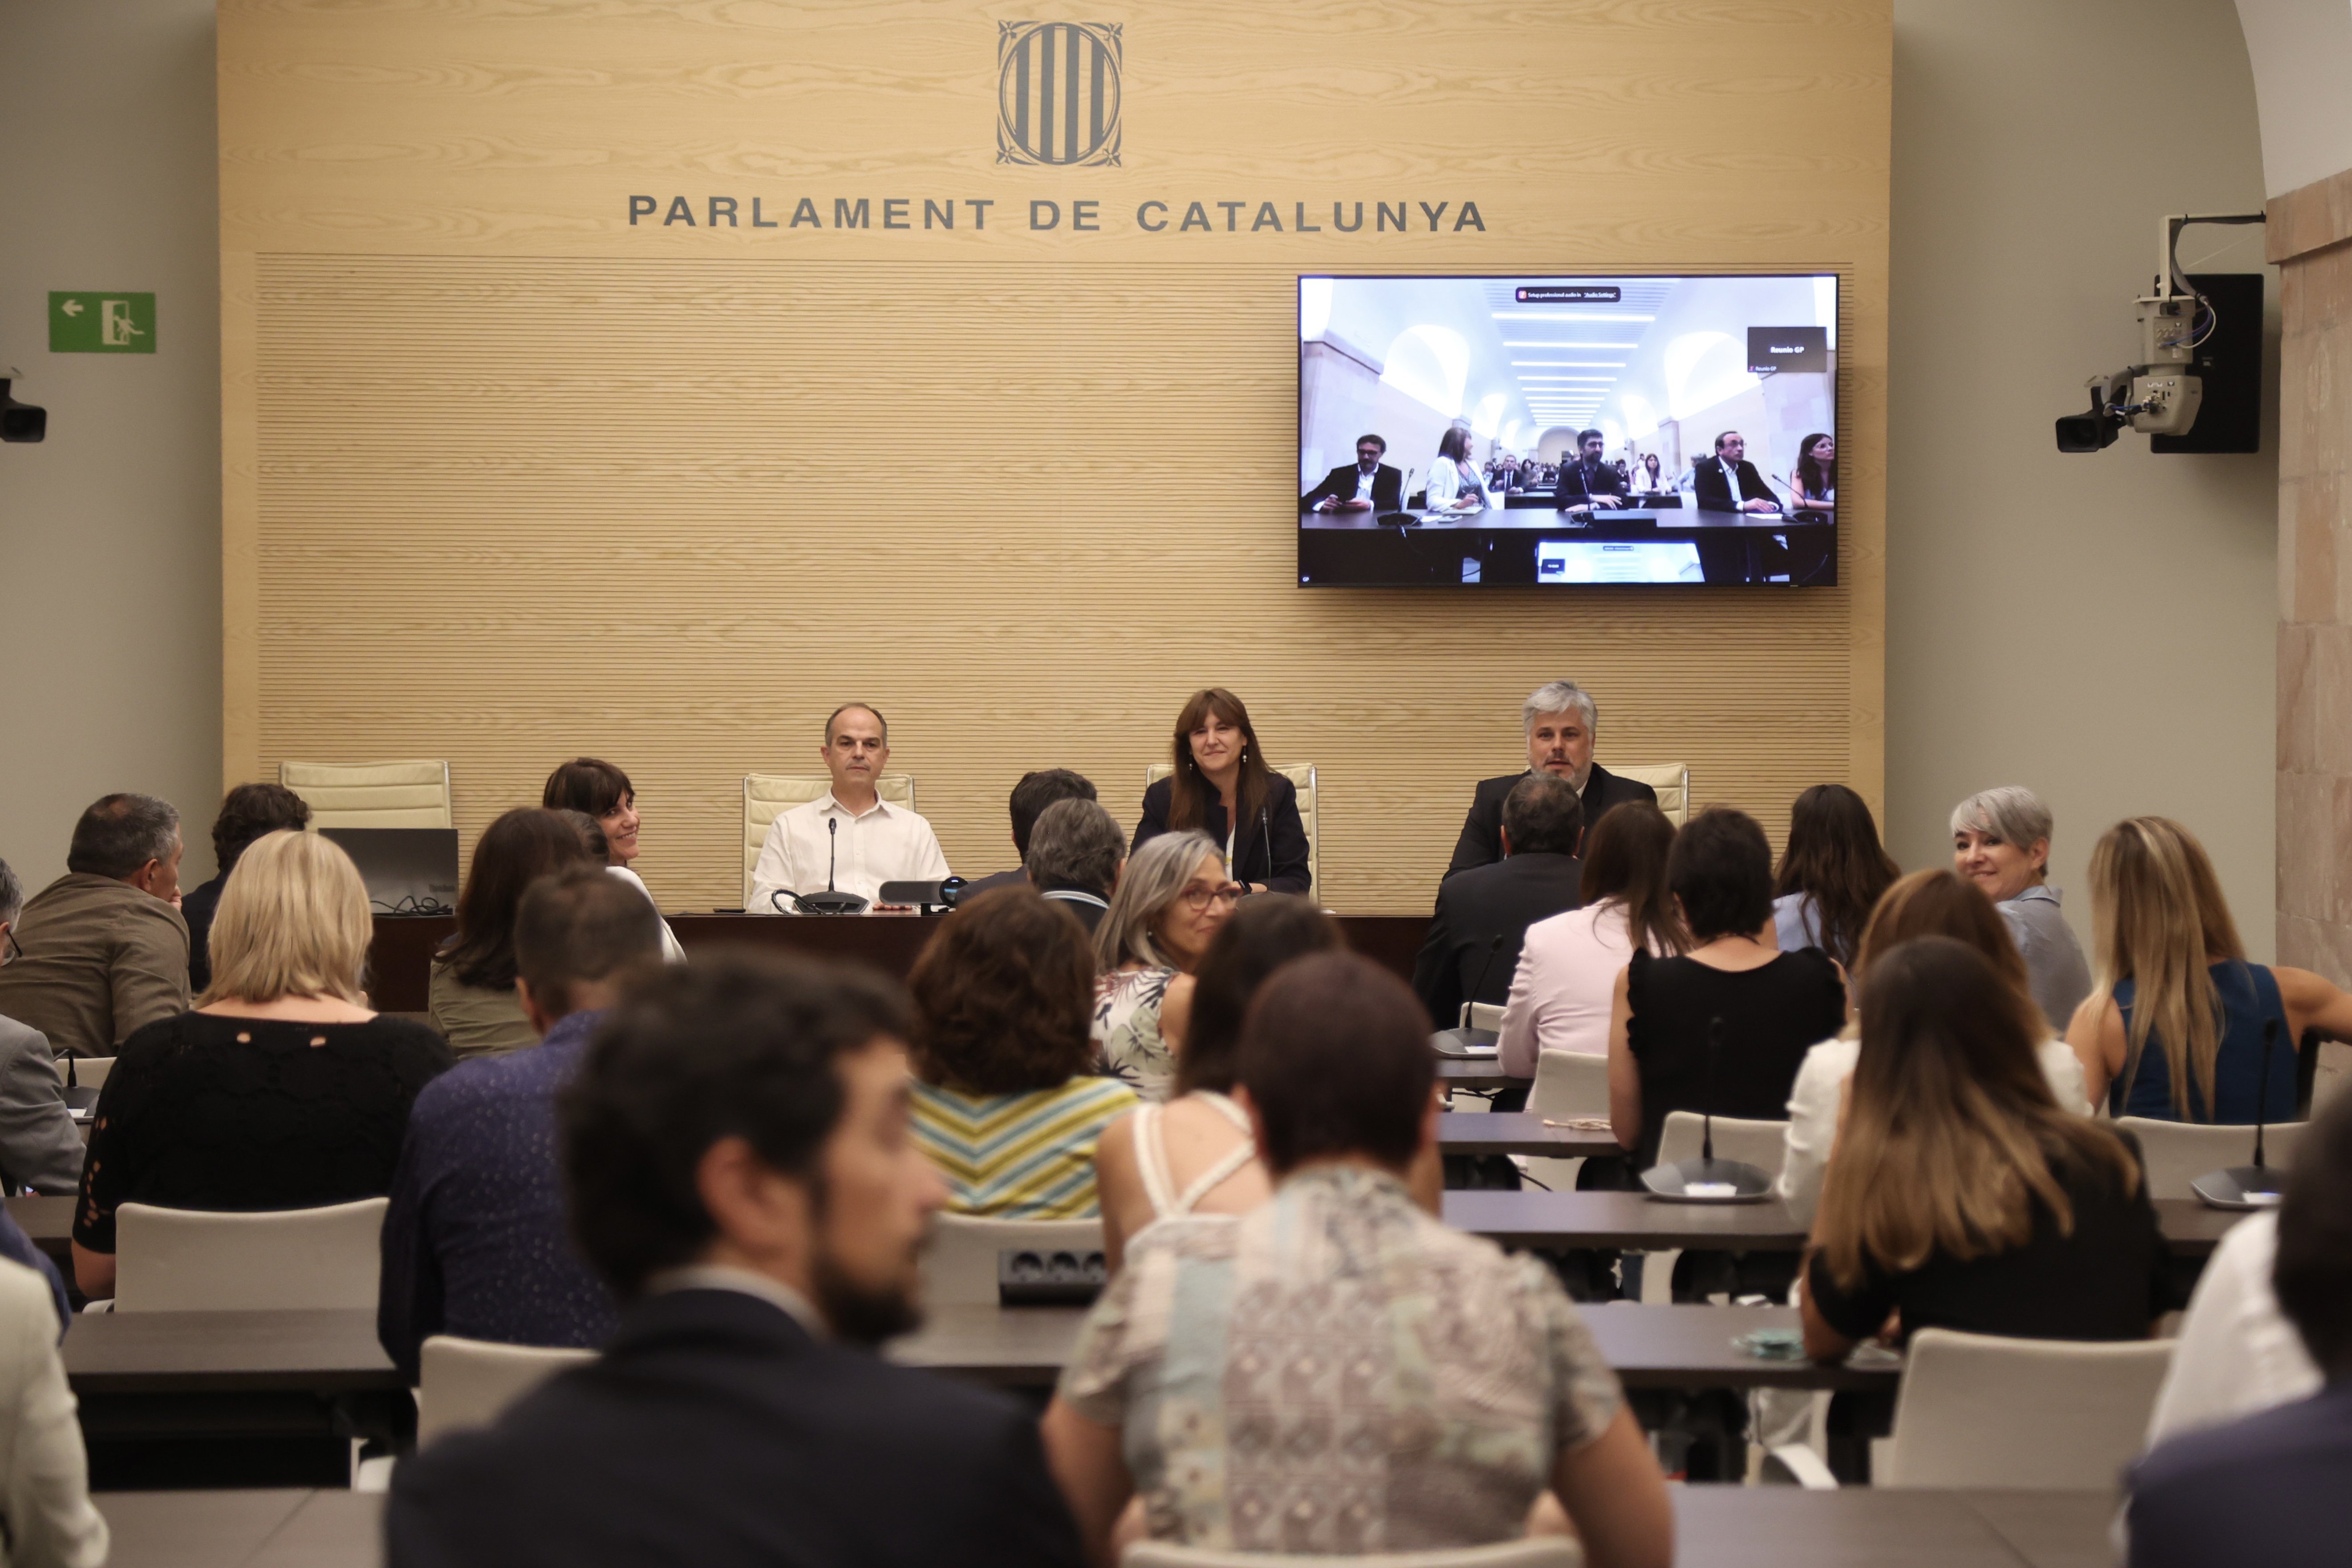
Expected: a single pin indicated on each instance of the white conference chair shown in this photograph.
(1671, 779)
(1303, 776)
(960, 1264)
(189, 1260)
(2177, 1152)
(372, 794)
(1978, 1410)
(1763, 1144)
(1569, 1085)
(467, 1383)
(1546, 1552)
(767, 796)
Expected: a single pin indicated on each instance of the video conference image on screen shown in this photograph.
(1518, 431)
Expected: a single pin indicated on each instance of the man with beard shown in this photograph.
(737, 1153)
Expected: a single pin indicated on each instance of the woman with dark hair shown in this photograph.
(1832, 874)
(1453, 484)
(1815, 480)
(246, 813)
(1006, 1104)
(1222, 787)
(596, 789)
(1648, 479)
(474, 1003)
(1570, 962)
(1194, 1154)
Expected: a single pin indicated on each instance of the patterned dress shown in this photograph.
(1020, 1156)
(1126, 1029)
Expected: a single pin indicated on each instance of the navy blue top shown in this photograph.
(2266, 1491)
(474, 1243)
(2249, 994)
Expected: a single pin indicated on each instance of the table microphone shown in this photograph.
(830, 902)
(1708, 1179)
(2247, 1186)
(1465, 1040)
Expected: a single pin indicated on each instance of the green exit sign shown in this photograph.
(94, 322)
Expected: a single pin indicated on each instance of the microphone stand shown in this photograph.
(2255, 1185)
(830, 902)
(1708, 1179)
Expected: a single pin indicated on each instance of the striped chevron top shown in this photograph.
(1020, 1156)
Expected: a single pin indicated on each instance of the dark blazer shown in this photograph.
(1280, 865)
(1573, 491)
(1481, 843)
(1015, 878)
(1483, 915)
(716, 1432)
(1339, 484)
(1089, 908)
(1713, 491)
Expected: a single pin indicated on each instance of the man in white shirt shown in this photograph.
(850, 838)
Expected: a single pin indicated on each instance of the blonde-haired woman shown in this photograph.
(2173, 1027)
(280, 1089)
(1172, 895)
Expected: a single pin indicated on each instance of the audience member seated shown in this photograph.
(2185, 1011)
(1222, 787)
(102, 951)
(1337, 1372)
(1453, 483)
(40, 1149)
(1832, 874)
(44, 1472)
(281, 1091)
(1008, 1105)
(604, 792)
(1074, 857)
(1925, 903)
(849, 838)
(246, 813)
(1812, 483)
(1768, 1007)
(1365, 485)
(2268, 1492)
(1483, 914)
(1194, 1154)
(2001, 841)
(1587, 482)
(1960, 1194)
(2234, 1352)
(1559, 720)
(475, 1243)
(472, 985)
(1569, 966)
(740, 1172)
(1036, 791)
(1172, 897)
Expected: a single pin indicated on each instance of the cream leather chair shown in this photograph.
(767, 796)
(1763, 1144)
(1671, 779)
(1550, 1552)
(1569, 1085)
(1978, 1410)
(959, 1263)
(467, 1383)
(372, 794)
(1301, 774)
(2177, 1152)
(187, 1260)
(87, 1072)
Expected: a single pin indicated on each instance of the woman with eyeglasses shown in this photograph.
(1172, 897)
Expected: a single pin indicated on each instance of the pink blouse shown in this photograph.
(1561, 993)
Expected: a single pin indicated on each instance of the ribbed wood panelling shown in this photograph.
(670, 502)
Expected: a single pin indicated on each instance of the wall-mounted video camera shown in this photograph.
(20, 421)
(2197, 385)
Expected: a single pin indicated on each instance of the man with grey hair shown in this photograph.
(102, 951)
(1075, 854)
(2001, 841)
(38, 1146)
(1559, 720)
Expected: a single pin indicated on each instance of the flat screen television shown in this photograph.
(1548, 431)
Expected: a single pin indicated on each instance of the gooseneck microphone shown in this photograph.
(1265, 841)
(832, 849)
(2247, 1186)
(830, 902)
(1494, 952)
(1708, 1179)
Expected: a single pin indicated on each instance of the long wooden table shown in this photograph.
(1519, 1132)
(316, 1352)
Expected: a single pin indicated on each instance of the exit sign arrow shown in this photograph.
(101, 322)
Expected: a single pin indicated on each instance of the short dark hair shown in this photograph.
(1003, 996)
(586, 783)
(1038, 790)
(581, 924)
(1335, 1055)
(1455, 444)
(120, 833)
(514, 851)
(1584, 436)
(1721, 869)
(1075, 845)
(592, 834)
(880, 722)
(2313, 1275)
(1543, 813)
(250, 810)
(1726, 436)
(1262, 935)
(1376, 440)
(738, 1046)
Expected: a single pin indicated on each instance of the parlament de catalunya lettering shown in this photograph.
(1070, 215)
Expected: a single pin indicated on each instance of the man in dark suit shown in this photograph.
(740, 1169)
(1037, 790)
(1366, 485)
(1075, 854)
(1473, 947)
(1560, 719)
(1729, 481)
(1587, 481)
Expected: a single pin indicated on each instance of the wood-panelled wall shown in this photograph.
(508, 477)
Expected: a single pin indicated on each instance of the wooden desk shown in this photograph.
(331, 1530)
(48, 1221)
(1782, 1527)
(316, 1352)
(203, 1529)
(1473, 1072)
(1518, 1132)
(1014, 1346)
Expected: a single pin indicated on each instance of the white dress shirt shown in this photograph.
(888, 844)
(672, 951)
(2237, 1353)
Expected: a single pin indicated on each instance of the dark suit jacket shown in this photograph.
(1339, 484)
(1280, 865)
(716, 1432)
(1482, 917)
(1712, 491)
(1481, 843)
(1572, 490)
(1015, 878)
(1089, 908)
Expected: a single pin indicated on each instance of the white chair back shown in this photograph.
(1486, 1015)
(89, 1072)
(1540, 1551)
(1978, 1410)
(1671, 779)
(189, 1260)
(1763, 1144)
(2177, 1152)
(960, 1264)
(467, 1383)
(1301, 774)
(1569, 1084)
(767, 796)
(372, 794)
